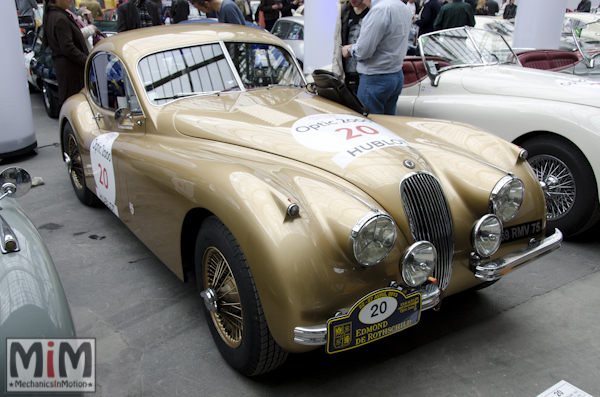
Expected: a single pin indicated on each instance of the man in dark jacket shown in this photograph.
(288, 6)
(69, 49)
(135, 14)
(492, 7)
(584, 6)
(270, 9)
(180, 9)
(430, 11)
(510, 11)
(453, 15)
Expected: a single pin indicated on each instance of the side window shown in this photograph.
(173, 74)
(109, 84)
(296, 33)
(281, 30)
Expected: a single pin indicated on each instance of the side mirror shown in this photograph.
(14, 182)
(123, 114)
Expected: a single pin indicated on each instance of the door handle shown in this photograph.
(98, 116)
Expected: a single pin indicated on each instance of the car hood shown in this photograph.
(531, 83)
(373, 153)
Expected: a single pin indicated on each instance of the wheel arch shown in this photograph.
(189, 231)
(533, 134)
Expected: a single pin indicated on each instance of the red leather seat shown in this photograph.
(552, 60)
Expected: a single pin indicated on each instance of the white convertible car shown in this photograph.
(472, 76)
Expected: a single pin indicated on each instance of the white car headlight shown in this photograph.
(373, 237)
(487, 235)
(506, 197)
(418, 262)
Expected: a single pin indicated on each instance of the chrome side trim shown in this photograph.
(316, 335)
(497, 268)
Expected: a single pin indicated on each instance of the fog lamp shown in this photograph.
(487, 235)
(418, 262)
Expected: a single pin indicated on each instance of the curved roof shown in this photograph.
(133, 44)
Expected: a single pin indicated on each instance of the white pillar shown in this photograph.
(16, 119)
(319, 24)
(539, 23)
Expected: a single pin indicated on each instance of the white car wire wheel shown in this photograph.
(237, 321)
(568, 183)
(75, 168)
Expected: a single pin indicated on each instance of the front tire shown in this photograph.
(237, 321)
(568, 183)
(50, 101)
(75, 168)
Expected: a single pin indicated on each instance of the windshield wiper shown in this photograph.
(186, 94)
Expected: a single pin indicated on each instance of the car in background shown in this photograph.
(587, 23)
(110, 15)
(473, 76)
(33, 300)
(308, 223)
(291, 31)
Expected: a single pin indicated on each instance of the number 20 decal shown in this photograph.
(361, 128)
(103, 176)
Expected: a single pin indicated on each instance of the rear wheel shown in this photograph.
(50, 101)
(232, 307)
(75, 168)
(568, 183)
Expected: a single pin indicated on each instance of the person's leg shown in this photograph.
(396, 81)
(368, 93)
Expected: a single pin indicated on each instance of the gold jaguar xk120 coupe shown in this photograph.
(306, 223)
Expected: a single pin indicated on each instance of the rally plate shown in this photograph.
(377, 315)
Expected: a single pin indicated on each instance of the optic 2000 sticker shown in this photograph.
(349, 136)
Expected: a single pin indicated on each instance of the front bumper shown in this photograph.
(316, 335)
(499, 267)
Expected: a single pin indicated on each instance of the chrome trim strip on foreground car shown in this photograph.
(497, 268)
(316, 335)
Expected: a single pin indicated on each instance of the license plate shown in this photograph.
(523, 230)
(377, 315)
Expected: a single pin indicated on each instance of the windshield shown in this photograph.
(467, 47)
(205, 70)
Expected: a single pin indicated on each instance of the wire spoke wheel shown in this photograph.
(76, 169)
(228, 318)
(557, 183)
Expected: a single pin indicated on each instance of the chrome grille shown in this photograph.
(429, 218)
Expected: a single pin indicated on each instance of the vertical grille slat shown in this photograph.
(429, 217)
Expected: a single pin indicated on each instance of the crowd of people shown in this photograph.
(370, 42)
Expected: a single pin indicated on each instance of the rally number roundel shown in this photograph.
(378, 310)
(345, 135)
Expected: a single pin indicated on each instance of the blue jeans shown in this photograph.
(380, 92)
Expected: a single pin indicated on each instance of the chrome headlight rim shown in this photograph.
(497, 192)
(360, 225)
(476, 232)
(408, 253)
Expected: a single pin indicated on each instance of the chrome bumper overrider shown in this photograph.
(497, 268)
(316, 335)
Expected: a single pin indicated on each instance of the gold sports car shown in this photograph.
(306, 223)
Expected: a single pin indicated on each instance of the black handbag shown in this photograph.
(328, 85)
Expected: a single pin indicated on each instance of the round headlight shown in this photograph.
(506, 197)
(418, 262)
(487, 235)
(373, 237)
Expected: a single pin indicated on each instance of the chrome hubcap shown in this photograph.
(558, 184)
(221, 297)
